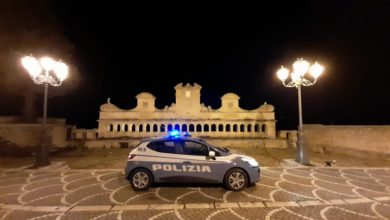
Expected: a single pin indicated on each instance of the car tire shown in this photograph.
(141, 179)
(235, 179)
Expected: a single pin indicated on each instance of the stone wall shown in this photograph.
(248, 142)
(84, 134)
(19, 120)
(372, 139)
(111, 143)
(24, 135)
(220, 142)
(29, 134)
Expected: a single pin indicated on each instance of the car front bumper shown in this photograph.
(254, 174)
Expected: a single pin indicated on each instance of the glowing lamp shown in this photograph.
(301, 66)
(295, 76)
(47, 63)
(31, 65)
(61, 70)
(282, 73)
(316, 70)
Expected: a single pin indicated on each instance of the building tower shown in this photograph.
(187, 98)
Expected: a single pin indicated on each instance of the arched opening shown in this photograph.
(249, 128)
(118, 127)
(213, 128)
(198, 128)
(111, 127)
(263, 128)
(133, 128)
(155, 128)
(227, 128)
(192, 128)
(126, 128)
(242, 127)
(147, 128)
(220, 127)
(256, 128)
(169, 127)
(162, 128)
(177, 127)
(141, 128)
(184, 128)
(206, 128)
(235, 128)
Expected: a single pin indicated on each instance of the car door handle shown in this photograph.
(187, 162)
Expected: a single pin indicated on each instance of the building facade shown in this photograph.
(187, 114)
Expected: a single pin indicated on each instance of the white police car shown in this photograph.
(182, 159)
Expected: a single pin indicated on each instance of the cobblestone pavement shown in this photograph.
(293, 193)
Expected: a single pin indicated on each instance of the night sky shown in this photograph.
(122, 49)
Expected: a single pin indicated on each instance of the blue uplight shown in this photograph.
(174, 134)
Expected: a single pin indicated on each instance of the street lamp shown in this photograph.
(297, 79)
(44, 71)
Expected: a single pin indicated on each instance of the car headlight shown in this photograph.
(252, 162)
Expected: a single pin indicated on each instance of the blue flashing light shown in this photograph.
(174, 134)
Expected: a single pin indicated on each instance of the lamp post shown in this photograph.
(44, 71)
(297, 79)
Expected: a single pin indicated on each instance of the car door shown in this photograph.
(166, 161)
(197, 166)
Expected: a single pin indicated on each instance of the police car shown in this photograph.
(183, 159)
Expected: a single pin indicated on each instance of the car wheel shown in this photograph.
(141, 179)
(236, 180)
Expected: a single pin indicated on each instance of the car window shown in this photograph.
(163, 146)
(194, 148)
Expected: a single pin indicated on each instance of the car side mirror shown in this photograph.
(212, 154)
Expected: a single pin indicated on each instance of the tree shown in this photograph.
(31, 27)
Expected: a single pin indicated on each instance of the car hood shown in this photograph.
(242, 155)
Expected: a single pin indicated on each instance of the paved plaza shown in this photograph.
(283, 193)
